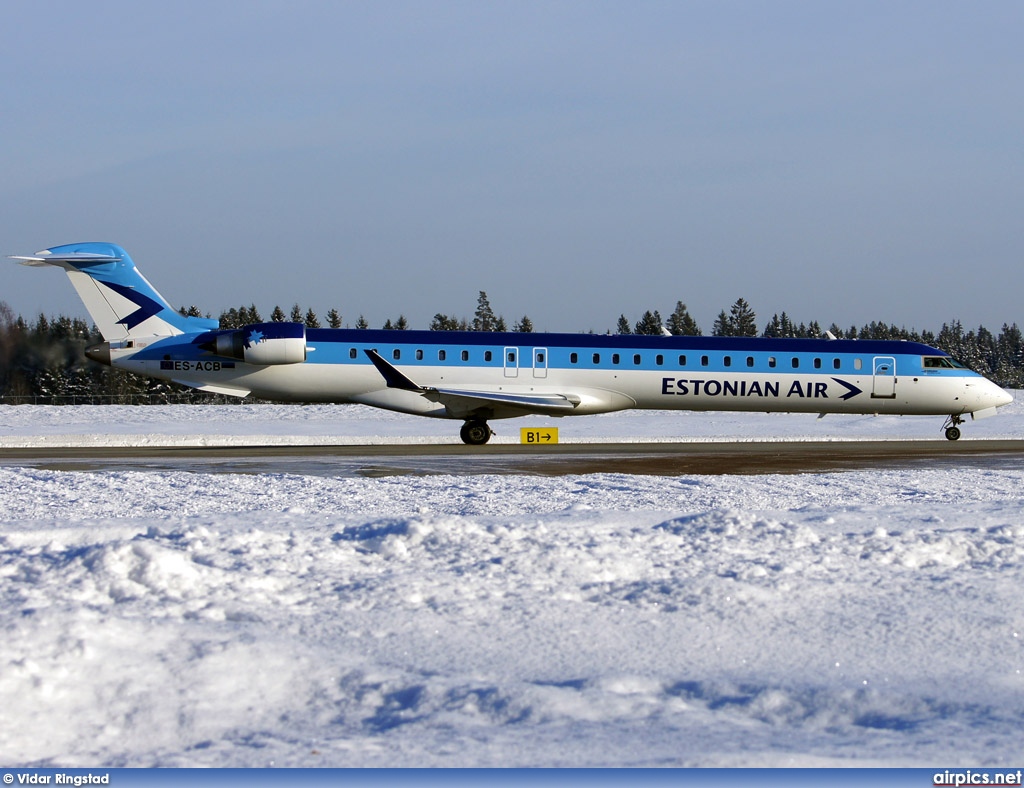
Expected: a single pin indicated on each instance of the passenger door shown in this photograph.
(511, 362)
(884, 377)
(540, 362)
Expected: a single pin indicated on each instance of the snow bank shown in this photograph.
(860, 618)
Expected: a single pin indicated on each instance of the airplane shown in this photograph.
(476, 377)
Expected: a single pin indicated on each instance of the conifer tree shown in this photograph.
(722, 326)
(334, 318)
(442, 322)
(742, 320)
(483, 318)
(649, 324)
(229, 319)
(1010, 368)
(681, 324)
(773, 328)
(781, 326)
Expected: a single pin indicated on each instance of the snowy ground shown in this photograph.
(860, 618)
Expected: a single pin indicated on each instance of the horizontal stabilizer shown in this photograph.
(120, 300)
(72, 259)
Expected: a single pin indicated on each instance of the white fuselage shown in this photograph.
(598, 374)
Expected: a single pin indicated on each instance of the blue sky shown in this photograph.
(841, 162)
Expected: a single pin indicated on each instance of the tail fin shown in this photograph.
(119, 299)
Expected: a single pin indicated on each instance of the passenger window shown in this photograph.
(835, 363)
(488, 355)
(817, 363)
(682, 361)
(419, 355)
(574, 358)
(352, 353)
(704, 361)
(511, 357)
(771, 361)
(727, 361)
(636, 359)
(796, 363)
(396, 354)
(659, 360)
(597, 358)
(858, 363)
(540, 358)
(615, 358)
(750, 361)
(441, 355)
(465, 355)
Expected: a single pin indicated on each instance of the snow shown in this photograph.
(867, 618)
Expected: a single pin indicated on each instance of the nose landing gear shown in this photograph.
(952, 427)
(475, 432)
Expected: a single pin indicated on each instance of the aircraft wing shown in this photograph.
(466, 401)
(462, 400)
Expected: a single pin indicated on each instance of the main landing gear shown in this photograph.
(952, 426)
(475, 432)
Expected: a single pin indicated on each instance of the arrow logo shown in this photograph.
(147, 307)
(851, 390)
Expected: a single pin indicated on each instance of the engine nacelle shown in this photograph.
(262, 343)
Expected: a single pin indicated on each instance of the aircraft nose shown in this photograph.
(1002, 397)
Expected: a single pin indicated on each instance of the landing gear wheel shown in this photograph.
(952, 426)
(475, 432)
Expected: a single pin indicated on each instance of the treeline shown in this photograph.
(44, 360)
(484, 319)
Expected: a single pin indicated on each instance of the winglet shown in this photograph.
(394, 378)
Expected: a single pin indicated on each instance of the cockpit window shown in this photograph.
(941, 362)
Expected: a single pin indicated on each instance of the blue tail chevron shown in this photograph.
(120, 300)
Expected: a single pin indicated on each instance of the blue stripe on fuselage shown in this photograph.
(723, 354)
(608, 352)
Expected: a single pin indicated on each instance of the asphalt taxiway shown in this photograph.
(660, 459)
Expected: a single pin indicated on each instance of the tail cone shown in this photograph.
(99, 353)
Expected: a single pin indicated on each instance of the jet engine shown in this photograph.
(261, 343)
